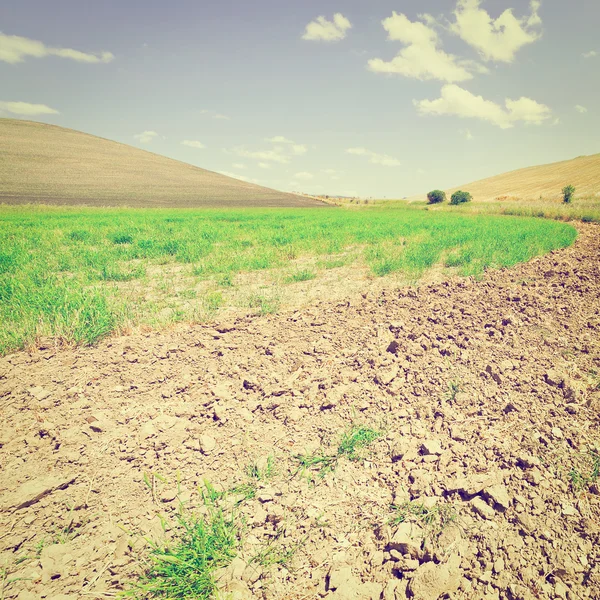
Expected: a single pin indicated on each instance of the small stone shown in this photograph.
(526, 522)
(401, 496)
(499, 495)
(54, 560)
(432, 581)
(499, 565)
(39, 393)
(207, 444)
(557, 433)
(560, 589)
(407, 539)
(340, 577)
(482, 508)
(472, 484)
(219, 413)
(553, 378)
(147, 430)
(458, 433)
(431, 447)
(534, 477)
(33, 491)
(568, 510)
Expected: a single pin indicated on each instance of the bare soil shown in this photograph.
(487, 394)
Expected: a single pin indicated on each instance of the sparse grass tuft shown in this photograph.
(352, 446)
(264, 304)
(298, 276)
(277, 552)
(433, 520)
(212, 301)
(185, 567)
(453, 389)
(260, 471)
(355, 440)
(581, 479)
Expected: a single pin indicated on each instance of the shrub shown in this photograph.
(436, 196)
(567, 193)
(460, 197)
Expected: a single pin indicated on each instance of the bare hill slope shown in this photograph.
(531, 183)
(42, 163)
(546, 181)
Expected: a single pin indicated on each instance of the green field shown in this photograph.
(77, 275)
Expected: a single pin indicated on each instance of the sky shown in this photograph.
(340, 97)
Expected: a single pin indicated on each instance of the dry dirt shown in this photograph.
(487, 394)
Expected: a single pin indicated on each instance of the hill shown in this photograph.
(42, 163)
(546, 181)
(542, 181)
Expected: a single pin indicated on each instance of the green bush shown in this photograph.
(436, 196)
(460, 197)
(568, 191)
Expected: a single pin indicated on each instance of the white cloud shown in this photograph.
(276, 155)
(215, 115)
(374, 158)
(457, 101)
(580, 109)
(466, 133)
(297, 149)
(145, 137)
(590, 54)
(282, 152)
(192, 143)
(15, 49)
(279, 139)
(327, 31)
(499, 39)
(332, 173)
(264, 165)
(24, 109)
(421, 58)
(239, 166)
(240, 177)
(303, 175)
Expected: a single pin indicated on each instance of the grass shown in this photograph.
(256, 473)
(186, 566)
(352, 446)
(277, 552)
(587, 475)
(433, 519)
(586, 210)
(78, 275)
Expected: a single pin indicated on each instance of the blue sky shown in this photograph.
(377, 99)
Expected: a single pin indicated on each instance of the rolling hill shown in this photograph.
(545, 181)
(42, 163)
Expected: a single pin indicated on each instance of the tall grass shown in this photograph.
(62, 271)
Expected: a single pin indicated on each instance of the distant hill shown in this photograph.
(546, 181)
(42, 163)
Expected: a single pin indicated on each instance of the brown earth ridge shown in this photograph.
(486, 392)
